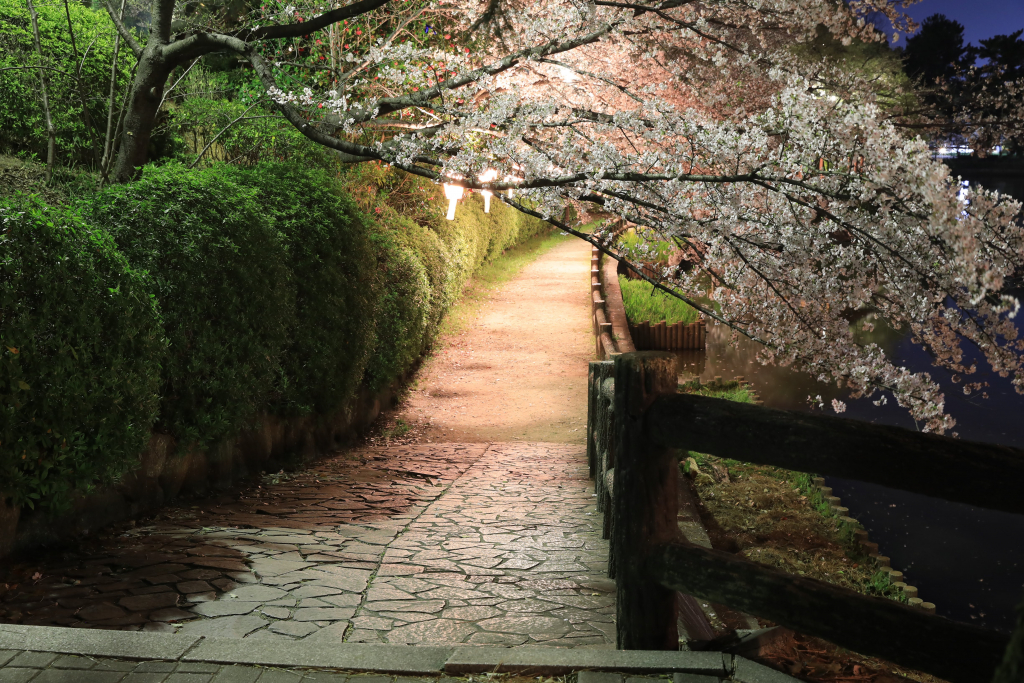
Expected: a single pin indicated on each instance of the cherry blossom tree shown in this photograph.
(802, 203)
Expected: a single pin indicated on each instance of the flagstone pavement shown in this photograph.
(491, 544)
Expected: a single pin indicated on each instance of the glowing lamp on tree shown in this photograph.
(488, 175)
(454, 194)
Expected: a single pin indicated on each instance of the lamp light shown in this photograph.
(454, 194)
(488, 175)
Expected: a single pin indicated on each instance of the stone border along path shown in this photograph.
(63, 655)
(441, 543)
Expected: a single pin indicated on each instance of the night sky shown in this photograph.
(981, 18)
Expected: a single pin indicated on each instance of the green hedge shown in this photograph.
(21, 112)
(426, 264)
(331, 253)
(221, 272)
(80, 350)
(276, 292)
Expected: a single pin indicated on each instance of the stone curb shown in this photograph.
(554, 661)
(389, 659)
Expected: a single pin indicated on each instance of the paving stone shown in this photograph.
(508, 639)
(188, 678)
(144, 678)
(342, 600)
(197, 667)
(73, 662)
(224, 627)
(323, 613)
(156, 667)
(310, 591)
(159, 627)
(237, 674)
(257, 593)
(77, 676)
(374, 623)
(186, 587)
(224, 607)
(528, 625)
(143, 603)
(431, 606)
(16, 675)
(171, 614)
(34, 660)
(469, 613)
(680, 677)
(103, 610)
(276, 612)
(434, 631)
(273, 676)
(292, 628)
(408, 616)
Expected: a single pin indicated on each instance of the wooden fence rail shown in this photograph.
(637, 422)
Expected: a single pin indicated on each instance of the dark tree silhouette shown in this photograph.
(938, 50)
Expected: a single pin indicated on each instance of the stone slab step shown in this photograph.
(119, 654)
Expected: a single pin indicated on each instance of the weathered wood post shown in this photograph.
(591, 419)
(604, 457)
(645, 504)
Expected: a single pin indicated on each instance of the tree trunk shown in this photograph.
(140, 118)
(51, 133)
(83, 98)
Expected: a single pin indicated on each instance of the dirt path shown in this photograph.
(519, 372)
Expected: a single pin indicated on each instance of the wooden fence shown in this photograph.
(662, 337)
(637, 423)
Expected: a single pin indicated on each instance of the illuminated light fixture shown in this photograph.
(454, 194)
(488, 175)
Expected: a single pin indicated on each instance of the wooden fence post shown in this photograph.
(644, 505)
(591, 417)
(604, 456)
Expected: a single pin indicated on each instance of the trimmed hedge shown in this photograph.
(276, 293)
(80, 349)
(447, 253)
(220, 270)
(337, 289)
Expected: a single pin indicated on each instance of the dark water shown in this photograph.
(966, 560)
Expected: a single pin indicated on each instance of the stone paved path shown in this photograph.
(478, 544)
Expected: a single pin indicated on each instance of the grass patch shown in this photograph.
(777, 517)
(643, 303)
(639, 248)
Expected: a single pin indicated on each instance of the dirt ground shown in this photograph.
(518, 372)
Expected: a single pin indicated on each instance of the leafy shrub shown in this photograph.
(330, 251)
(220, 271)
(80, 351)
(403, 322)
(21, 113)
(425, 259)
(241, 131)
(643, 303)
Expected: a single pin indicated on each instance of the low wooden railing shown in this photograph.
(664, 337)
(638, 424)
